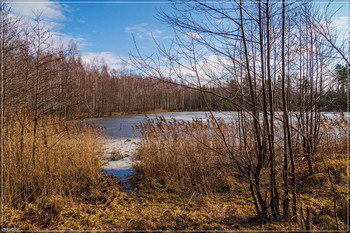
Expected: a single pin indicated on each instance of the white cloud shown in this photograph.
(342, 23)
(50, 10)
(109, 58)
(136, 28)
(58, 38)
(52, 15)
(193, 35)
(143, 31)
(222, 21)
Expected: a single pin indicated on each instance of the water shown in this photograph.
(124, 175)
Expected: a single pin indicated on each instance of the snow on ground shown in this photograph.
(126, 147)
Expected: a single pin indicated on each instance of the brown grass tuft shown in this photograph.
(183, 156)
(65, 161)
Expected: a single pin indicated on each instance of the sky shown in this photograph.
(105, 29)
(102, 29)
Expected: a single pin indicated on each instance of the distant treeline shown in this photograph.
(41, 78)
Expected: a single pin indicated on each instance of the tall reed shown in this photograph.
(184, 156)
(187, 156)
(65, 160)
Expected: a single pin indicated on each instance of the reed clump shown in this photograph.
(61, 159)
(185, 156)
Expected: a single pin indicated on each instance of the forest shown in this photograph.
(281, 164)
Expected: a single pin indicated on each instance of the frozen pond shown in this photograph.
(120, 127)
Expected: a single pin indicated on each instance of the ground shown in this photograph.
(143, 209)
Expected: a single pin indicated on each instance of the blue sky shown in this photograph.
(102, 29)
(105, 29)
(110, 26)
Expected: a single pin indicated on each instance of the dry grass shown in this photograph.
(146, 210)
(316, 191)
(65, 161)
(184, 156)
(116, 154)
(154, 209)
(175, 157)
